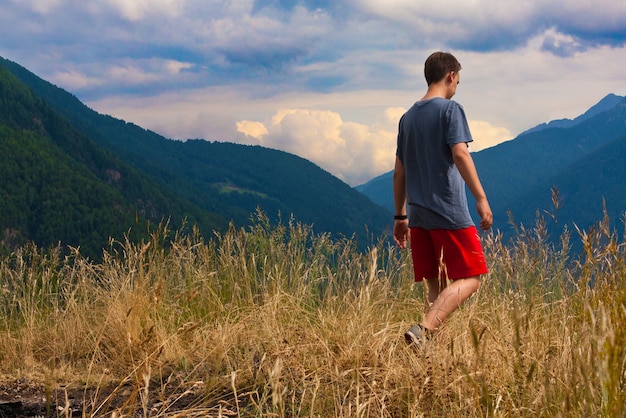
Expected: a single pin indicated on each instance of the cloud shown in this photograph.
(44, 6)
(497, 25)
(73, 80)
(354, 152)
(256, 130)
(252, 70)
(486, 135)
(151, 75)
(296, 45)
(139, 9)
(560, 44)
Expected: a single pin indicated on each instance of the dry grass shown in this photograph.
(277, 321)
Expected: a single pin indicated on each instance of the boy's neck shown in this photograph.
(436, 90)
(444, 88)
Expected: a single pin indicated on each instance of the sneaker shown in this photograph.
(416, 335)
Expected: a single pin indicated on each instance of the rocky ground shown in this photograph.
(21, 398)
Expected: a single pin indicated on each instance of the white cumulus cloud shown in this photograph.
(486, 135)
(352, 151)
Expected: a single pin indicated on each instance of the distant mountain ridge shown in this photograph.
(208, 183)
(607, 103)
(581, 158)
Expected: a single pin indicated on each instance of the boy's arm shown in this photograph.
(465, 164)
(400, 227)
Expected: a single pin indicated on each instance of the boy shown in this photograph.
(433, 165)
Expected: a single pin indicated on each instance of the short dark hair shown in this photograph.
(438, 64)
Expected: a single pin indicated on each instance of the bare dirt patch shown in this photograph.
(24, 398)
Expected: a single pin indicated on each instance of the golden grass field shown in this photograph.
(276, 321)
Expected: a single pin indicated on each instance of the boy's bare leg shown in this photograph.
(447, 299)
(435, 286)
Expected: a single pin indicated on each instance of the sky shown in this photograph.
(326, 80)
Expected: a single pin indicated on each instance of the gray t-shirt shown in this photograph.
(435, 189)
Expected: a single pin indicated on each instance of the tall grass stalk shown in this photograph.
(274, 320)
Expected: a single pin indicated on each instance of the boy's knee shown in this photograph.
(473, 283)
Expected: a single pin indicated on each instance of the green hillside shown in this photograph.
(56, 185)
(140, 175)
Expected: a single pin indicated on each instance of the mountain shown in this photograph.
(585, 188)
(581, 158)
(111, 171)
(58, 186)
(607, 103)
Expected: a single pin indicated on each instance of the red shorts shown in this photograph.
(450, 254)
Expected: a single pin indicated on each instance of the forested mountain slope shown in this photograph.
(208, 183)
(58, 186)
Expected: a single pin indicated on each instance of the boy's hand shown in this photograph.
(484, 211)
(401, 232)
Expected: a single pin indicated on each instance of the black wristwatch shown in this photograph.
(400, 217)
